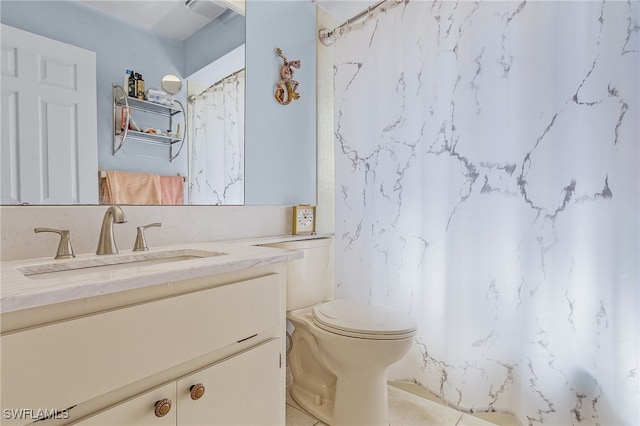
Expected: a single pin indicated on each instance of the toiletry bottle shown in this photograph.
(132, 84)
(140, 87)
(127, 75)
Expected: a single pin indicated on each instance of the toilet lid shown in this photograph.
(365, 321)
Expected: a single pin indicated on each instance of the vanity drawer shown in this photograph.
(60, 365)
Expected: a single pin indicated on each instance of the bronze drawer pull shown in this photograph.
(196, 391)
(163, 407)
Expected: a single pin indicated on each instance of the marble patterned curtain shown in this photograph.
(216, 156)
(487, 158)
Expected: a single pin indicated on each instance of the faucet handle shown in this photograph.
(141, 242)
(65, 251)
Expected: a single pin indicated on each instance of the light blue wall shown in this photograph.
(213, 41)
(280, 142)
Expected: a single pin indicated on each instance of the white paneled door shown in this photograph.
(49, 124)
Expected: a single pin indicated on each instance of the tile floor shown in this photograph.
(411, 405)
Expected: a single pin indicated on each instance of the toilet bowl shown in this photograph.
(339, 363)
(341, 350)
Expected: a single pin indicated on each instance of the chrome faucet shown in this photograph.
(106, 242)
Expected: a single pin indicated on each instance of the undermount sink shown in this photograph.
(74, 267)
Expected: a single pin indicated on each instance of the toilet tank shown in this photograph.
(306, 277)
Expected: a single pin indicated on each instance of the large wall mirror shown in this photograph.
(206, 44)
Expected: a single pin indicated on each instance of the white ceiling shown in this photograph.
(171, 18)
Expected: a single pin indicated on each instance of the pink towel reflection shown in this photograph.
(130, 188)
(172, 190)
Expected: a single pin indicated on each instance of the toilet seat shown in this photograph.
(363, 321)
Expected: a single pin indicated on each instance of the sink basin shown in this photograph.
(67, 268)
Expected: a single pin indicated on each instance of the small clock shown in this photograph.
(304, 219)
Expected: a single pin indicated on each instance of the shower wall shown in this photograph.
(487, 158)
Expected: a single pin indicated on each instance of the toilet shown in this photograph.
(341, 350)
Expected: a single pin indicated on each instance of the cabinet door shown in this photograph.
(49, 121)
(242, 390)
(138, 411)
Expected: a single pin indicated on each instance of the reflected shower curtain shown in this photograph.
(216, 156)
(487, 182)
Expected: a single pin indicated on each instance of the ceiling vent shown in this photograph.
(205, 8)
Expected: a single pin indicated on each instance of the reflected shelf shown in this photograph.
(121, 129)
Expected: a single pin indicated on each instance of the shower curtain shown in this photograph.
(487, 158)
(216, 156)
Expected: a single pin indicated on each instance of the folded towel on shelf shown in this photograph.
(130, 188)
(172, 190)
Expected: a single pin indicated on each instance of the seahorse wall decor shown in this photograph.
(286, 86)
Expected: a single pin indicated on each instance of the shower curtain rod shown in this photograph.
(233, 74)
(328, 37)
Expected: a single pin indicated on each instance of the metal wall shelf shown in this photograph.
(121, 135)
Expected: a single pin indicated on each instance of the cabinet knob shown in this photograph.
(197, 391)
(163, 407)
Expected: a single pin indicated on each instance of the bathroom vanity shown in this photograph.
(195, 336)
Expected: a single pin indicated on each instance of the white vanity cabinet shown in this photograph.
(117, 355)
(236, 391)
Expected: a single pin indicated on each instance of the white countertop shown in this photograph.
(22, 292)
